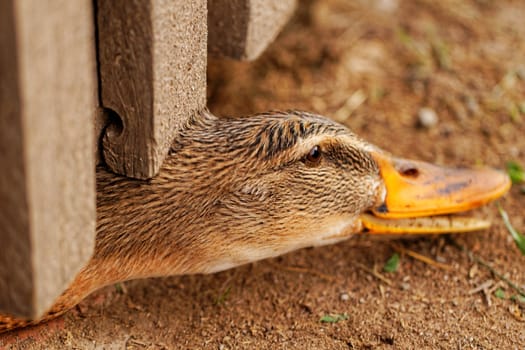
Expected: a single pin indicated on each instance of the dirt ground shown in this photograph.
(371, 65)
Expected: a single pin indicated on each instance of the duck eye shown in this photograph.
(314, 156)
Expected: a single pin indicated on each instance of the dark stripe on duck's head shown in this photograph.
(282, 131)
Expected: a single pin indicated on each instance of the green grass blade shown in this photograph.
(516, 172)
(392, 264)
(519, 239)
(333, 318)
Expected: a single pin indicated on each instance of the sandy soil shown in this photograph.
(372, 67)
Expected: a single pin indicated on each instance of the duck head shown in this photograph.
(233, 191)
(237, 190)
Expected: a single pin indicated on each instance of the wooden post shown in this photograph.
(47, 181)
(242, 29)
(152, 57)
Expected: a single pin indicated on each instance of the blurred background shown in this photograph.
(442, 81)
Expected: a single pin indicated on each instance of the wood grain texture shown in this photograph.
(152, 57)
(242, 29)
(47, 183)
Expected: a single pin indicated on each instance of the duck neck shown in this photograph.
(160, 226)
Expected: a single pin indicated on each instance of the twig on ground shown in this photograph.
(305, 270)
(421, 257)
(486, 265)
(484, 286)
(373, 273)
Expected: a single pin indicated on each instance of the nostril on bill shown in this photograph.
(410, 172)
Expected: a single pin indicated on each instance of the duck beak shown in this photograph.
(417, 191)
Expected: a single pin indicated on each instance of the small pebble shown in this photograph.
(405, 286)
(472, 105)
(387, 5)
(441, 259)
(473, 271)
(427, 117)
(344, 297)
(520, 72)
(514, 151)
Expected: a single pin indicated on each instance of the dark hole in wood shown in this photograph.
(115, 126)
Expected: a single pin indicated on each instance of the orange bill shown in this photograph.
(416, 189)
(423, 225)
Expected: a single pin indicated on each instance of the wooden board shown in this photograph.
(47, 182)
(242, 29)
(152, 57)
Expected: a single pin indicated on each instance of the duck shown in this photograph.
(237, 190)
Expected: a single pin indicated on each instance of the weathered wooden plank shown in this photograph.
(47, 182)
(242, 29)
(152, 57)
